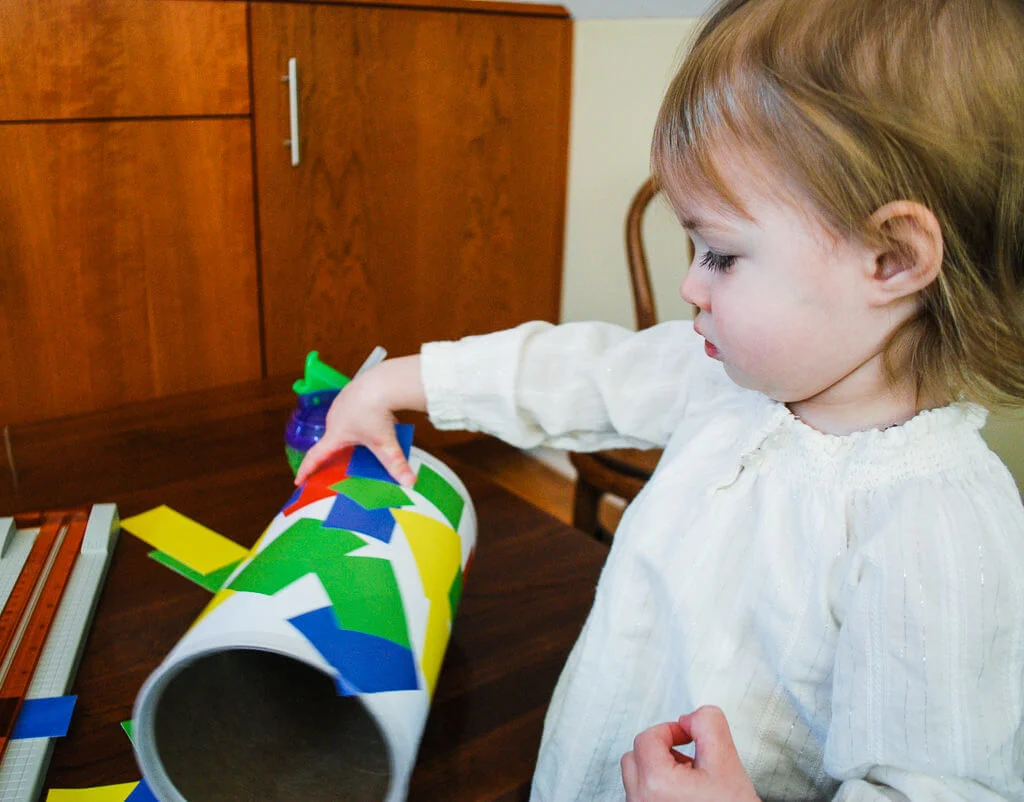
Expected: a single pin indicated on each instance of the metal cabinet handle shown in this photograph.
(292, 79)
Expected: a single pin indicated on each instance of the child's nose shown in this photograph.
(694, 290)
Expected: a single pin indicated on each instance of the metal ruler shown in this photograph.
(52, 566)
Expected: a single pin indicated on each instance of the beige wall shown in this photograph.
(621, 70)
(1005, 433)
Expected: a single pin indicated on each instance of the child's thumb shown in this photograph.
(713, 745)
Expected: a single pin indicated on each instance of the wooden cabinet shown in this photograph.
(428, 200)
(155, 237)
(127, 231)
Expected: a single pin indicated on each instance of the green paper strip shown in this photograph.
(129, 729)
(211, 581)
(455, 593)
(294, 456)
(363, 590)
(433, 487)
(372, 494)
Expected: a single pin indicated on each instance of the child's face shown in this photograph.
(782, 302)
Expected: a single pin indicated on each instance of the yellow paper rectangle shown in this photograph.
(188, 542)
(103, 793)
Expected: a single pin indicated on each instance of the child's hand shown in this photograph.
(655, 772)
(363, 414)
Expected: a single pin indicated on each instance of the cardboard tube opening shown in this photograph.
(248, 724)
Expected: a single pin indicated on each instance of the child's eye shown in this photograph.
(717, 262)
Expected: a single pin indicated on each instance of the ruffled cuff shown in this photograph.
(439, 374)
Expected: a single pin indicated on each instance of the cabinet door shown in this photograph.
(126, 263)
(429, 198)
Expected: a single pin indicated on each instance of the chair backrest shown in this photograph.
(639, 274)
(636, 254)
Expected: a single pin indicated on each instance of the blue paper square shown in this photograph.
(44, 718)
(364, 464)
(365, 663)
(353, 517)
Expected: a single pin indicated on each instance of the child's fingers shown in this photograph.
(315, 457)
(383, 445)
(681, 759)
(653, 747)
(653, 767)
(321, 453)
(708, 728)
(630, 778)
(390, 455)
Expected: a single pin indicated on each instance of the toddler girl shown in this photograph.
(822, 585)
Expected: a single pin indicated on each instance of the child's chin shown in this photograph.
(755, 383)
(738, 376)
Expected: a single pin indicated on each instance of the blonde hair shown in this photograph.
(862, 102)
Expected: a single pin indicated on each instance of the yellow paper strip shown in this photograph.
(188, 542)
(438, 553)
(103, 793)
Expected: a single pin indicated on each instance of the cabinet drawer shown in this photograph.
(87, 59)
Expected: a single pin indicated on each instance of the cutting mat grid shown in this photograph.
(25, 761)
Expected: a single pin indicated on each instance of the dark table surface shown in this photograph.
(218, 457)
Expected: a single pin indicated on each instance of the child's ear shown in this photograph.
(909, 257)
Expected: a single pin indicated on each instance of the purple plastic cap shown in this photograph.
(307, 423)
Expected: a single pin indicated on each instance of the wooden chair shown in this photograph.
(620, 472)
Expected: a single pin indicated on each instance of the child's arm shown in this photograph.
(655, 772)
(363, 414)
(578, 386)
(582, 386)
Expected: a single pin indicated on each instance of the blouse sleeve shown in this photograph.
(582, 386)
(929, 675)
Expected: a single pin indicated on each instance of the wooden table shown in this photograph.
(218, 457)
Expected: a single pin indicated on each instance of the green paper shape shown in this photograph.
(295, 458)
(433, 487)
(211, 581)
(372, 494)
(363, 590)
(129, 729)
(319, 376)
(455, 593)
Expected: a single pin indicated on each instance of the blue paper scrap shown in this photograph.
(142, 793)
(365, 663)
(44, 718)
(348, 514)
(364, 464)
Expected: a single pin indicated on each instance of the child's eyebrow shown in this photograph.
(697, 224)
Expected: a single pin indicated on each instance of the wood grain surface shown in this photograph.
(127, 257)
(429, 202)
(217, 456)
(74, 59)
(477, 6)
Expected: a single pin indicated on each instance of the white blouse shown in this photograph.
(854, 604)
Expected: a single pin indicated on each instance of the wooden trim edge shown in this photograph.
(473, 6)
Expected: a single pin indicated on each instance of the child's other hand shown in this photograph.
(363, 414)
(655, 772)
